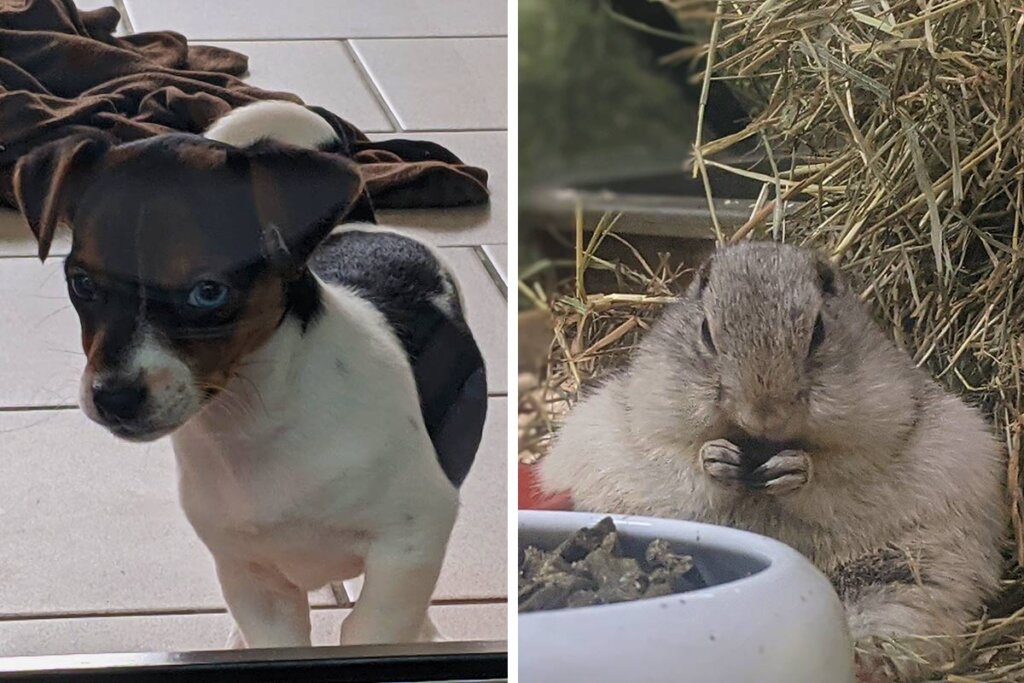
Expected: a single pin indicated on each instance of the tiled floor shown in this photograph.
(96, 554)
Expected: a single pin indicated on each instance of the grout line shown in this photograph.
(364, 73)
(202, 611)
(304, 39)
(474, 129)
(468, 602)
(129, 29)
(114, 613)
(127, 613)
(13, 257)
(492, 269)
(32, 409)
(434, 131)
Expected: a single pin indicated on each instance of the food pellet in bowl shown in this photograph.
(590, 568)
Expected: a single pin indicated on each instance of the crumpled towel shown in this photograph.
(63, 72)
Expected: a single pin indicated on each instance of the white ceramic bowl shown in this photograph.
(768, 615)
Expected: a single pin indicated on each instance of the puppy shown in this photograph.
(323, 393)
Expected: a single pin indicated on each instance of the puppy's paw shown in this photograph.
(782, 474)
(722, 460)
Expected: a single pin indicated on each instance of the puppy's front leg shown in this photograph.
(392, 606)
(269, 611)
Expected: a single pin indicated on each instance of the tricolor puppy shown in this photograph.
(323, 393)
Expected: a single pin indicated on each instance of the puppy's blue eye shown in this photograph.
(82, 286)
(208, 294)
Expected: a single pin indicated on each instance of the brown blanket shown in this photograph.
(63, 72)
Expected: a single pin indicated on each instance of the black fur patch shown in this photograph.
(404, 281)
(397, 273)
(889, 565)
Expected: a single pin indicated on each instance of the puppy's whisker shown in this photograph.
(50, 315)
(236, 401)
(71, 352)
(231, 402)
(256, 391)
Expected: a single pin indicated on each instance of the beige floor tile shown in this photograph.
(89, 523)
(41, 357)
(194, 632)
(472, 622)
(442, 83)
(486, 313)
(99, 635)
(321, 72)
(475, 567)
(497, 254)
(464, 225)
(262, 19)
(92, 523)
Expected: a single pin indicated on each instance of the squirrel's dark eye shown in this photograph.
(82, 286)
(817, 334)
(705, 333)
(208, 295)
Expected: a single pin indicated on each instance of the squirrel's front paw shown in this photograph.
(722, 460)
(784, 473)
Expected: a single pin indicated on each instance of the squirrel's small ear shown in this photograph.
(826, 275)
(700, 278)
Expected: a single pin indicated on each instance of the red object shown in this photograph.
(531, 497)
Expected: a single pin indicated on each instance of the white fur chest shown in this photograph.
(318, 450)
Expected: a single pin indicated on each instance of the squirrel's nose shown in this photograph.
(765, 419)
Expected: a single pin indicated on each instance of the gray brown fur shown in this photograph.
(872, 453)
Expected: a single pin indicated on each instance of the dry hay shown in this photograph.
(890, 135)
(593, 333)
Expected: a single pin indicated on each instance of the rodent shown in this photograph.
(768, 399)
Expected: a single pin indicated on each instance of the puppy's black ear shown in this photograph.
(300, 196)
(49, 180)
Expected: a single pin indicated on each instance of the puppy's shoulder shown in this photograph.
(398, 274)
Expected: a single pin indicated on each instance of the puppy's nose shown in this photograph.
(119, 401)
